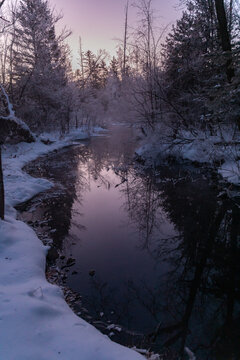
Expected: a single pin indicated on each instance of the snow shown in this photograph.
(190, 354)
(18, 185)
(11, 116)
(114, 327)
(10, 107)
(231, 172)
(36, 323)
(200, 147)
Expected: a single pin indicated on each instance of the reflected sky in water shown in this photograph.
(112, 242)
(155, 251)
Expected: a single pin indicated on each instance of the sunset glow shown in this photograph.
(100, 23)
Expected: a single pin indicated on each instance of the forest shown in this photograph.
(169, 98)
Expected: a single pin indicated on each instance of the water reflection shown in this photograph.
(50, 213)
(201, 291)
(156, 252)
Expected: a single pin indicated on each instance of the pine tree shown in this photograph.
(199, 66)
(40, 62)
(114, 69)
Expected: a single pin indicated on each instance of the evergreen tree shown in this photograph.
(114, 69)
(195, 67)
(39, 62)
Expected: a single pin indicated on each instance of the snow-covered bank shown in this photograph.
(20, 186)
(196, 148)
(36, 323)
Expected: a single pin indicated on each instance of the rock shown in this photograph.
(47, 141)
(70, 261)
(52, 255)
(92, 272)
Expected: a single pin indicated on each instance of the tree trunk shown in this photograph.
(125, 40)
(1, 3)
(224, 36)
(81, 59)
(2, 205)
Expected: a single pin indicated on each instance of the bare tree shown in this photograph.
(147, 39)
(81, 59)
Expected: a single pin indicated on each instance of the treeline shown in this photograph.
(189, 79)
(35, 64)
(201, 63)
(36, 71)
(186, 80)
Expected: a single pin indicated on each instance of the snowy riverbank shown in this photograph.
(201, 148)
(35, 320)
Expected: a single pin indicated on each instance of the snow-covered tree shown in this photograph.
(94, 69)
(91, 79)
(196, 66)
(144, 64)
(40, 63)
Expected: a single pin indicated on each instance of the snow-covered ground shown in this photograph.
(200, 148)
(35, 321)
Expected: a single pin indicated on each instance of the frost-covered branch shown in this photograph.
(190, 354)
(1, 3)
(11, 123)
(9, 105)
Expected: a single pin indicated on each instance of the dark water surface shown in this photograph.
(154, 254)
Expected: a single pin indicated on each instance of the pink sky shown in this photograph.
(99, 22)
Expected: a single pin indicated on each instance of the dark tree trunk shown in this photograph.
(2, 200)
(125, 40)
(1, 3)
(224, 36)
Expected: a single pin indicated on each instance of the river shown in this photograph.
(152, 254)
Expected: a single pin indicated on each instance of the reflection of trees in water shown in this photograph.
(197, 302)
(201, 292)
(54, 208)
(143, 203)
(71, 169)
(110, 152)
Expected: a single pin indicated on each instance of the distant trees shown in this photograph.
(93, 70)
(190, 81)
(91, 80)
